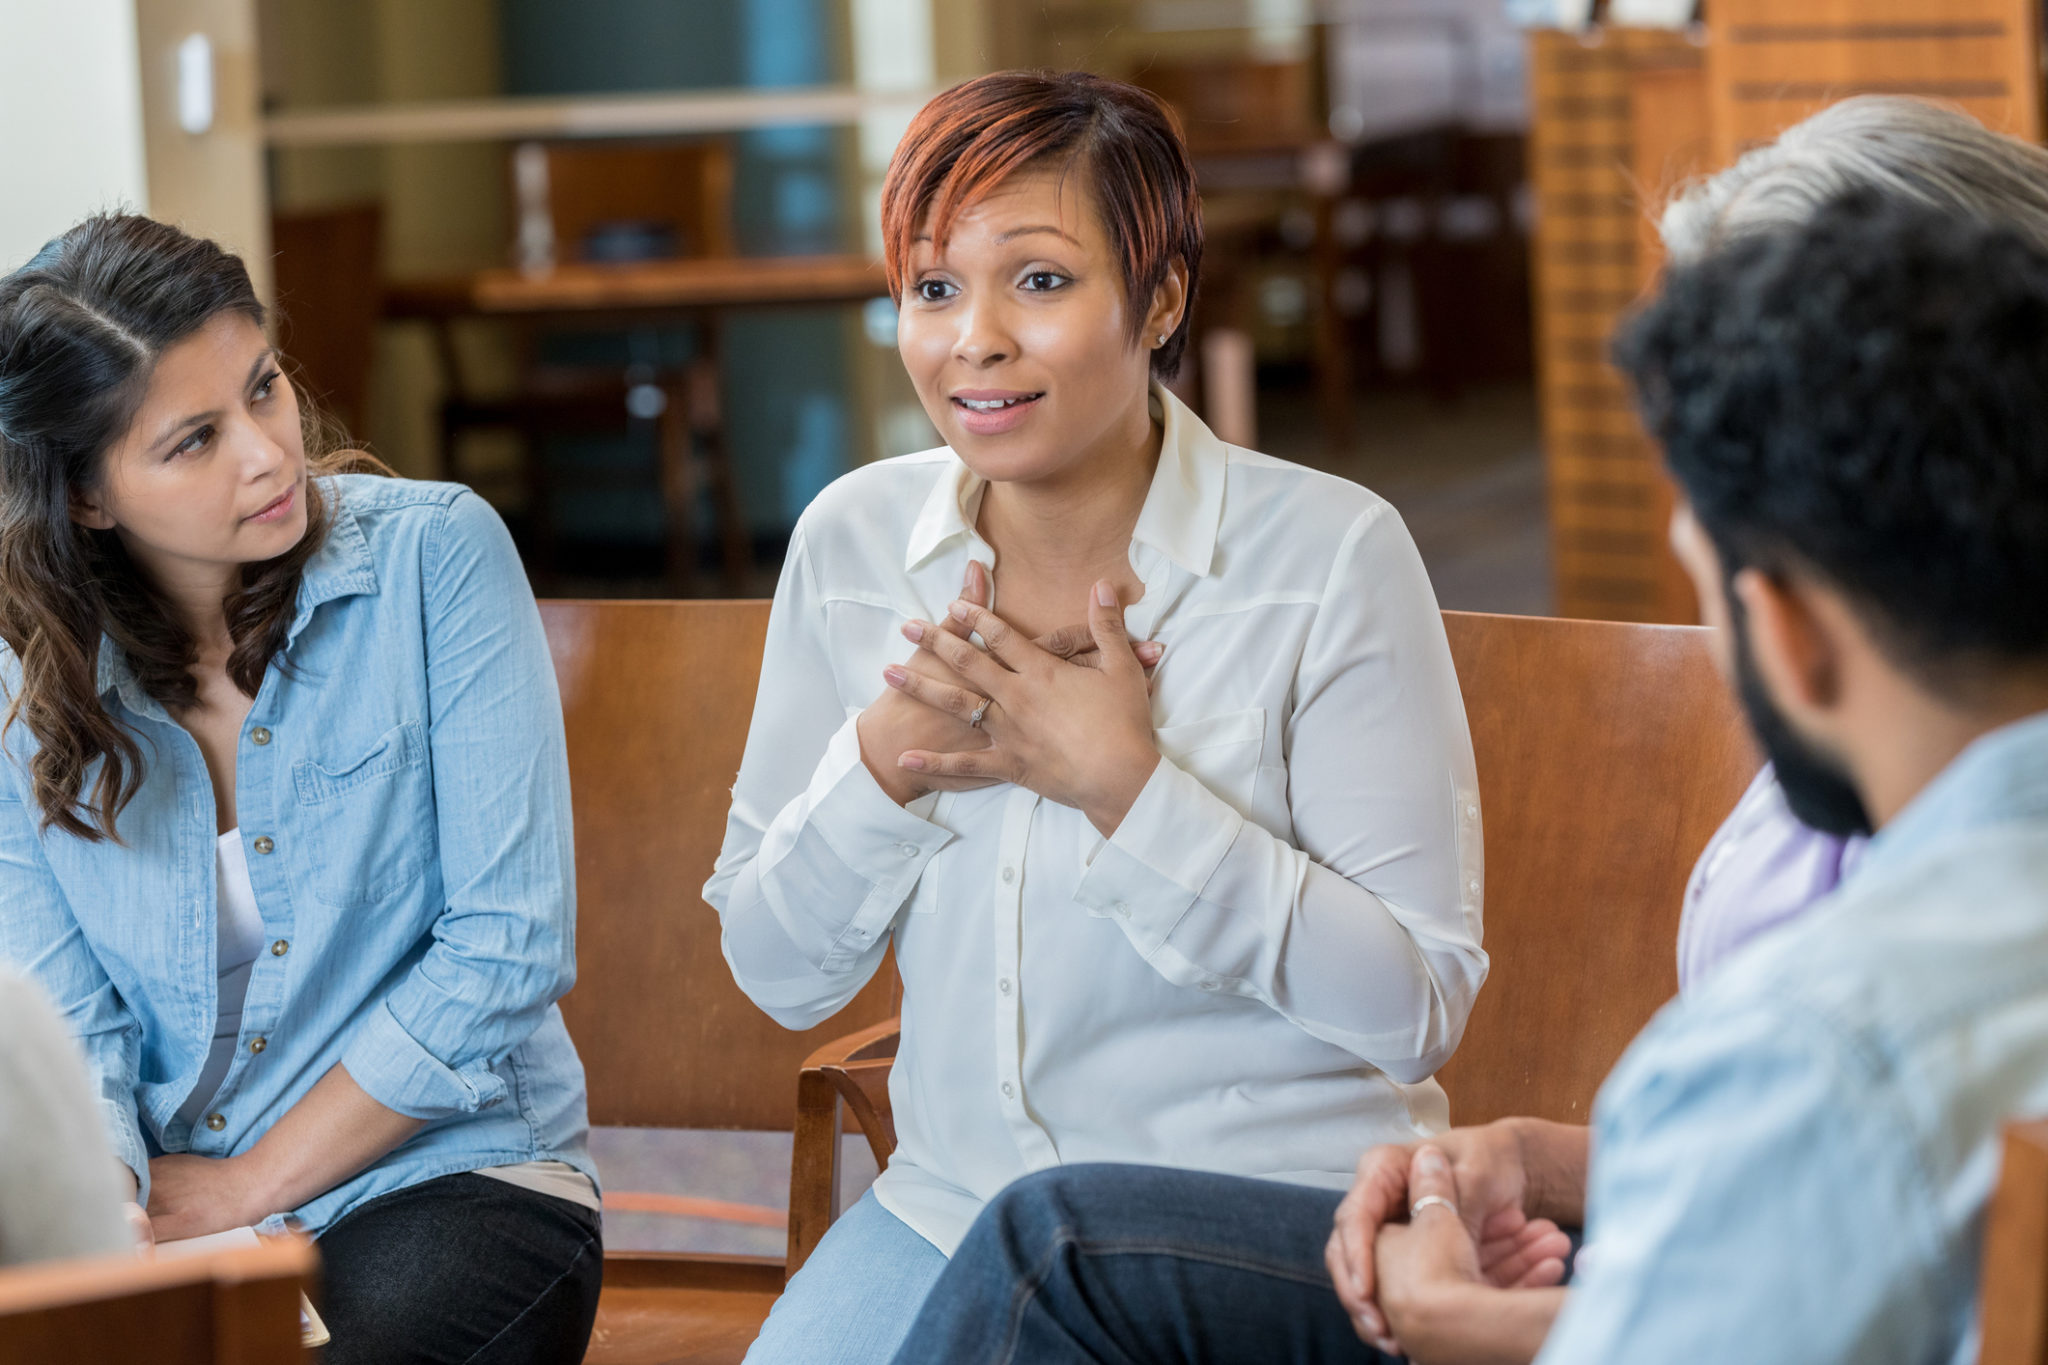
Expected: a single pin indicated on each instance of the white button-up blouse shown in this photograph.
(1258, 973)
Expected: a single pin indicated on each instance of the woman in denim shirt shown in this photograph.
(284, 814)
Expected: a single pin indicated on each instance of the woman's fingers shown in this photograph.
(139, 1225)
(956, 702)
(1072, 643)
(974, 587)
(1106, 621)
(983, 765)
(974, 667)
(1076, 644)
(1003, 641)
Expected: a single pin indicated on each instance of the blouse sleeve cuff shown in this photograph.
(882, 843)
(1169, 845)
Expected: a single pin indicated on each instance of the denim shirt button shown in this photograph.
(263, 843)
(280, 948)
(259, 735)
(258, 1044)
(216, 1122)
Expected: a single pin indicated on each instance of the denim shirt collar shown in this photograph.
(1183, 509)
(2000, 778)
(341, 567)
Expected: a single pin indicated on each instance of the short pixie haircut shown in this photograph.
(974, 136)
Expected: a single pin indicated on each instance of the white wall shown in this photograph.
(70, 118)
(211, 184)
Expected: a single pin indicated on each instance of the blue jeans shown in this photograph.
(855, 1297)
(1141, 1264)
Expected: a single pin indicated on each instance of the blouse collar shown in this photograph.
(1182, 513)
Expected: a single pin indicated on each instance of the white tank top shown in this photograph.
(237, 938)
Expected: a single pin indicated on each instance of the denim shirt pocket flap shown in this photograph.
(399, 748)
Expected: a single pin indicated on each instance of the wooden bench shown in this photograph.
(1607, 755)
(236, 1307)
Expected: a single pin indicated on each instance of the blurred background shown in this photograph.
(613, 262)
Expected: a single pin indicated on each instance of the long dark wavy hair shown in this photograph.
(82, 326)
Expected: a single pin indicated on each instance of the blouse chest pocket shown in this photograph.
(1220, 751)
(369, 819)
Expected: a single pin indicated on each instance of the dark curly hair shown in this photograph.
(1864, 398)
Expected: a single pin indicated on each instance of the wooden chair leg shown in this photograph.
(735, 541)
(813, 1167)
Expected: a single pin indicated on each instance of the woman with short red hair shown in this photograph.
(1144, 751)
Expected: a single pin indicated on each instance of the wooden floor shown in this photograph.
(676, 1327)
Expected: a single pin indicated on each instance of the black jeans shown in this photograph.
(1140, 1264)
(463, 1270)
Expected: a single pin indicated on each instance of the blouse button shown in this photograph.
(263, 843)
(259, 735)
(1124, 911)
(908, 850)
(280, 948)
(1008, 1091)
(216, 1122)
(1009, 875)
(1004, 985)
(1210, 983)
(257, 1044)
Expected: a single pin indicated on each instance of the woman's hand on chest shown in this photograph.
(1078, 734)
(897, 722)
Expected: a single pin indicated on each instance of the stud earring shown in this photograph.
(1162, 338)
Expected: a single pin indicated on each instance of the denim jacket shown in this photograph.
(402, 791)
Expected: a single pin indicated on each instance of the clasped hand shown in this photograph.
(1076, 733)
(1399, 1280)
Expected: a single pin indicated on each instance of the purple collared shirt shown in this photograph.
(1761, 868)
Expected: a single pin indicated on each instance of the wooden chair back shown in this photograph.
(238, 1307)
(2013, 1293)
(329, 296)
(1608, 754)
(657, 697)
(683, 187)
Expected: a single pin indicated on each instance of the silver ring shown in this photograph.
(979, 712)
(1426, 1201)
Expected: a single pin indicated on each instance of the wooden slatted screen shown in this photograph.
(1773, 62)
(1622, 116)
(1608, 499)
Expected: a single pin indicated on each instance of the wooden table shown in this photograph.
(699, 291)
(686, 286)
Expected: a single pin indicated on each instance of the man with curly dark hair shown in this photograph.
(1791, 1164)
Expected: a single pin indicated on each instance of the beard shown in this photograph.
(1818, 789)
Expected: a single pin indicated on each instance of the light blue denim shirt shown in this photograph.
(402, 791)
(1792, 1164)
